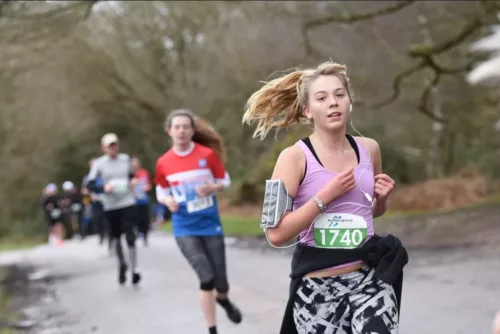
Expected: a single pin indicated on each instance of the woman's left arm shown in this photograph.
(384, 184)
(221, 184)
(221, 177)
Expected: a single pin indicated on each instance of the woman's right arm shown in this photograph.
(290, 171)
(163, 191)
(162, 187)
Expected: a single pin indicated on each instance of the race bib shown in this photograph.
(200, 203)
(120, 186)
(55, 213)
(339, 231)
(76, 207)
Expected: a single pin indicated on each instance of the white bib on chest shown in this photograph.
(120, 186)
(339, 231)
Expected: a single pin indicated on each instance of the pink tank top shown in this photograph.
(317, 176)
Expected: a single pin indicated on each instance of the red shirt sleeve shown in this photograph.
(215, 165)
(160, 176)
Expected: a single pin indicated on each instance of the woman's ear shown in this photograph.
(306, 113)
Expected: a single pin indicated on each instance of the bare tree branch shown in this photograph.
(438, 71)
(351, 18)
(422, 50)
(426, 53)
(422, 107)
(310, 51)
(396, 84)
(133, 60)
(132, 95)
(449, 71)
(61, 10)
(474, 25)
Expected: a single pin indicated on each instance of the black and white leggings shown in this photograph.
(354, 303)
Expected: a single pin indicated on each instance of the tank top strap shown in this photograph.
(307, 152)
(364, 155)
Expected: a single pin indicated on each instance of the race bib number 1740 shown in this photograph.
(339, 231)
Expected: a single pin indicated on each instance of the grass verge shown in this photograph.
(233, 226)
(10, 243)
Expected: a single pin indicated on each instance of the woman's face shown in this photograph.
(328, 103)
(136, 165)
(181, 130)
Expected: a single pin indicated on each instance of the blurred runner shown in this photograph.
(53, 214)
(73, 207)
(141, 189)
(115, 169)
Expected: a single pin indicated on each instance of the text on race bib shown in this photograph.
(199, 204)
(339, 231)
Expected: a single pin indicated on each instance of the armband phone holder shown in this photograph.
(277, 201)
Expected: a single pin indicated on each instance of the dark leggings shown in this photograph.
(143, 219)
(123, 221)
(207, 256)
(100, 225)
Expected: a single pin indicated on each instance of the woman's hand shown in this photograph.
(338, 186)
(171, 203)
(384, 185)
(204, 190)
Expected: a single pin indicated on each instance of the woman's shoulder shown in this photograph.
(205, 152)
(165, 156)
(370, 144)
(203, 148)
(292, 151)
(291, 156)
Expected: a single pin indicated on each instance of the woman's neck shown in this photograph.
(335, 140)
(183, 149)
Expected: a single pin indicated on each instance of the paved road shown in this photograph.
(446, 292)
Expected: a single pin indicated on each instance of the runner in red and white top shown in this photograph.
(181, 173)
(187, 178)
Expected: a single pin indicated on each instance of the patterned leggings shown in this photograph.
(354, 303)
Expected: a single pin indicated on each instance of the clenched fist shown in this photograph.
(383, 186)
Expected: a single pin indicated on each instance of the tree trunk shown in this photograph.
(434, 153)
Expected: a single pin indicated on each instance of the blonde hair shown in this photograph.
(280, 102)
(204, 132)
